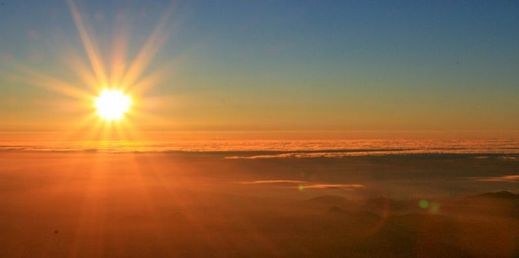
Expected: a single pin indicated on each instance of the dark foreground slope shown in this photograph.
(202, 205)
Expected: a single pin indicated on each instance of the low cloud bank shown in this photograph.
(301, 184)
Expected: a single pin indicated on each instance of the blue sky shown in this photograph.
(312, 65)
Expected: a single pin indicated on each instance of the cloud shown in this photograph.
(319, 154)
(332, 186)
(507, 178)
(273, 181)
(301, 184)
(509, 158)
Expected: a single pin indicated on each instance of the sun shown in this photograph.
(112, 104)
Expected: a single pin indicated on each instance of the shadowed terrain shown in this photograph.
(204, 205)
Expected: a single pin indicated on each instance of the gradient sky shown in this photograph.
(280, 65)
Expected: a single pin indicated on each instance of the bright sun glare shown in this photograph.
(111, 105)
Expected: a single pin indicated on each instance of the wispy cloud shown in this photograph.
(273, 181)
(301, 184)
(333, 186)
(507, 178)
(326, 154)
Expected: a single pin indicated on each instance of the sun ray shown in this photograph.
(89, 44)
(147, 52)
(51, 83)
(119, 49)
(83, 71)
(84, 129)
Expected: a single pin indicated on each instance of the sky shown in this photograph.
(273, 65)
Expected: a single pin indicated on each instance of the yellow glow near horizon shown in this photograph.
(112, 105)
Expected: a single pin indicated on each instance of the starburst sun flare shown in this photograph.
(108, 88)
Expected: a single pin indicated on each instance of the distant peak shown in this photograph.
(500, 195)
